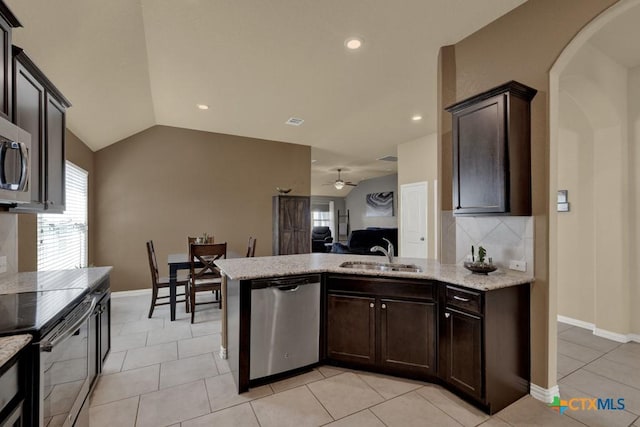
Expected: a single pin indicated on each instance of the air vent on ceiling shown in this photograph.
(389, 159)
(294, 121)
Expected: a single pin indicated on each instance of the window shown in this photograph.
(62, 238)
(321, 218)
(322, 215)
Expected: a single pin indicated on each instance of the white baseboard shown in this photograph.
(614, 336)
(542, 394)
(576, 322)
(134, 293)
(634, 337)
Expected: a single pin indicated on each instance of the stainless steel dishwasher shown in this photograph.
(285, 324)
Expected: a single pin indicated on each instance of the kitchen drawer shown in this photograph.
(383, 287)
(464, 299)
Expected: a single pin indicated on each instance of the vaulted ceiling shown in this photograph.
(127, 65)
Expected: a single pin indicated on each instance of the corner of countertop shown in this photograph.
(11, 345)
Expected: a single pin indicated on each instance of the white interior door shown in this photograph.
(413, 220)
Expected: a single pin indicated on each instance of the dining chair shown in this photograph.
(205, 276)
(251, 247)
(158, 282)
(191, 240)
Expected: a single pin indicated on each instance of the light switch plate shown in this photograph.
(518, 265)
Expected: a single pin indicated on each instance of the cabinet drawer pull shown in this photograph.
(370, 305)
(447, 315)
(384, 306)
(461, 299)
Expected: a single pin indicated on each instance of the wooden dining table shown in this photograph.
(176, 263)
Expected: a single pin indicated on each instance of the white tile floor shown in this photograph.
(163, 373)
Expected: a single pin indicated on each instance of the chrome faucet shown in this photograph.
(388, 252)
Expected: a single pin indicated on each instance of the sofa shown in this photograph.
(361, 241)
(320, 235)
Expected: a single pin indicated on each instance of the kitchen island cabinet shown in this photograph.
(351, 329)
(467, 332)
(369, 320)
(484, 344)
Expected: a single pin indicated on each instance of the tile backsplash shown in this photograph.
(9, 241)
(505, 238)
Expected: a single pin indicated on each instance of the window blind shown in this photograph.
(62, 238)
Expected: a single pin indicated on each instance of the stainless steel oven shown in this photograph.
(65, 370)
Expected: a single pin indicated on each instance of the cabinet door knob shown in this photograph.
(371, 305)
(447, 315)
(384, 306)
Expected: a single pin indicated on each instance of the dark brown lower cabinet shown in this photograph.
(399, 320)
(462, 348)
(484, 348)
(384, 325)
(476, 343)
(351, 329)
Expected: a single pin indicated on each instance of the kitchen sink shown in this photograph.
(380, 266)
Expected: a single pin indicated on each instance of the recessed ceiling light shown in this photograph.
(203, 106)
(416, 118)
(353, 43)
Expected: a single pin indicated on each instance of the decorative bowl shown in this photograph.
(283, 190)
(480, 267)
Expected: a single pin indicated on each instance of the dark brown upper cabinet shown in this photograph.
(40, 109)
(8, 21)
(492, 152)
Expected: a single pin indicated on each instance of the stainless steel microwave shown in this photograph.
(15, 164)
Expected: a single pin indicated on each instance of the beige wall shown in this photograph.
(523, 45)
(79, 154)
(168, 183)
(418, 162)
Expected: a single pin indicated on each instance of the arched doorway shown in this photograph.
(594, 105)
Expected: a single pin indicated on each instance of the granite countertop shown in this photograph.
(286, 265)
(81, 278)
(10, 346)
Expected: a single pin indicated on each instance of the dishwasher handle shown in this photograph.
(288, 288)
(285, 283)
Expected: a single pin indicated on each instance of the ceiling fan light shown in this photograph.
(339, 185)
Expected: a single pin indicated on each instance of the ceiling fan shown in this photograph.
(340, 183)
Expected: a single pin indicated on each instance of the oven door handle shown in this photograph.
(49, 345)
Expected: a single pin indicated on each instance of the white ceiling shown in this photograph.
(127, 65)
